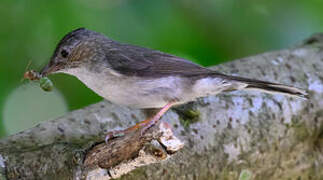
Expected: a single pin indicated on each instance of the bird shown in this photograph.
(143, 78)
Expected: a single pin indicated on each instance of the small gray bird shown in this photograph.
(143, 78)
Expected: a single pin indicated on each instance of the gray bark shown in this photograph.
(236, 135)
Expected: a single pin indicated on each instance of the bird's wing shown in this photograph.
(138, 61)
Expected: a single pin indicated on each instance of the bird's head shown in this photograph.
(74, 50)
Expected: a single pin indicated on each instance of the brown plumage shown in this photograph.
(143, 78)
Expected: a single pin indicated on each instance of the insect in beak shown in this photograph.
(45, 83)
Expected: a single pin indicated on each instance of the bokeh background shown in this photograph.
(208, 32)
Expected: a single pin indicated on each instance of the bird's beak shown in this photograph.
(47, 69)
(50, 68)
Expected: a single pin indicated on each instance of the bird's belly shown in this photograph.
(141, 93)
(134, 92)
(135, 97)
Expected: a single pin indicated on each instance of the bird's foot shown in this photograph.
(114, 134)
(149, 124)
(143, 125)
(120, 133)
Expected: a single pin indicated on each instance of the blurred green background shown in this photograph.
(206, 31)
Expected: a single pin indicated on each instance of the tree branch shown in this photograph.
(229, 136)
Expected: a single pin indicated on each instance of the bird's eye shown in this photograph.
(64, 53)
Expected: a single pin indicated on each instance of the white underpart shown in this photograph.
(130, 91)
(148, 92)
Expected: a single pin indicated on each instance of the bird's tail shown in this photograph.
(270, 87)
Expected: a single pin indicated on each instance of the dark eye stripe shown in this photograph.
(64, 53)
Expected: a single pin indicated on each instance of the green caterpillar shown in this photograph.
(46, 84)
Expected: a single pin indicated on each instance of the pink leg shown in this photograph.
(157, 117)
(145, 125)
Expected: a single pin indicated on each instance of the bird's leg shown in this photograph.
(145, 125)
(152, 121)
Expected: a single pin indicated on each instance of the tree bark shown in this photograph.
(237, 135)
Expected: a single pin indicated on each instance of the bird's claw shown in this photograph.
(146, 126)
(114, 134)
